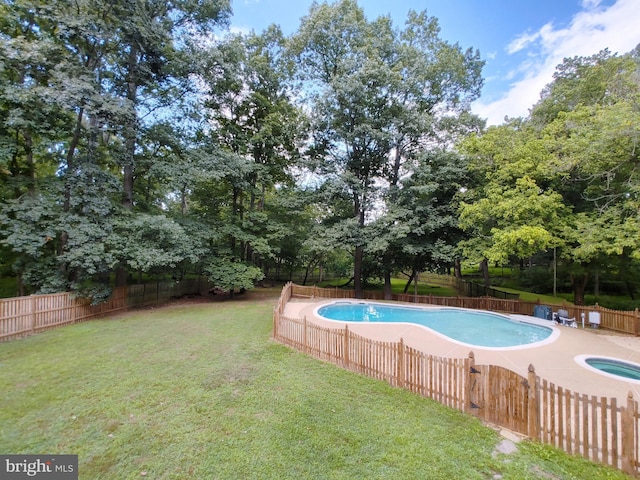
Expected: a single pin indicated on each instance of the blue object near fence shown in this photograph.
(543, 311)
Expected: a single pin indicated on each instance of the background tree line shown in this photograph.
(139, 139)
(565, 179)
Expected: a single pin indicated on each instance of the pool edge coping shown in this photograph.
(582, 361)
(555, 331)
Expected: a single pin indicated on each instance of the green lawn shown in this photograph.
(200, 391)
(397, 286)
(534, 297)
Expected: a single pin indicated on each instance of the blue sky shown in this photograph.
(521, 41)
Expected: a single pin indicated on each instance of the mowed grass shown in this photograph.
(201, 391)
(397, 286)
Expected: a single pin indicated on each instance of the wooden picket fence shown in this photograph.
(22, 316)
(597, 429)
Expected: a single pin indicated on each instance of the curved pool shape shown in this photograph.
(611, 367)
(470, 327)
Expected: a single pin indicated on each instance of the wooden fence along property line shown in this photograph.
(597, 429)
(22, 316)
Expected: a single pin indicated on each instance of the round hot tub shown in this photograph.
(611, 367)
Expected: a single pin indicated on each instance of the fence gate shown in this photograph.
(498, 395)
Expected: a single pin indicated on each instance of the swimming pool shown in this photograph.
(611, 367)
(470, 327)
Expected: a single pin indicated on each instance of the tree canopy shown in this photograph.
(140, 139)
(566, 176)
(381, 96)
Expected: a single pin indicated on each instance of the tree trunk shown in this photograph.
(235, 212)
(357, 272)
(183, 201)
(625, 274)
(358, 254)
(386, 261)
(457, 268)
(128, 172)
(121, 276)
(306, 273)
(131, 131)
(130, 137)
(388, 294)
(484, 269)
(631, 289)
(408, 284)
(21, 289)
(309, 268)
(579, 283)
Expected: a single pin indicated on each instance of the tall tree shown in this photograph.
(378, 94)
(431, 195)
(593, 135)
(255, 133)
(567, 175)
(82, 82)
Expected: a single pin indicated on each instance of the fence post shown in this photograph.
(636, 326)
(628, 437)
(400, 373)
(276, 315)
(533, 406)
(468, 379)
(345, 347)
(33, 314)
(304, 335)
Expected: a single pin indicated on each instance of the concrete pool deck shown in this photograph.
(554, 361)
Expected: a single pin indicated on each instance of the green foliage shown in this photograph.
(8, 286)
(81, 86)
(429, 199)
(566, 176)
(378, 95)
(601, 79)
(522, 242)
(232, 275)
(36, 230)
(255, 142)
(125, 145)
(147, 242)
(540, 280)
(519, 220)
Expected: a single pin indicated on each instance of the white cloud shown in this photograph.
(590, 31)
(587, 4)
(239, 30)
(522, 42)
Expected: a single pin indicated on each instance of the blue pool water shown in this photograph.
(615, 367)
(483, 329)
